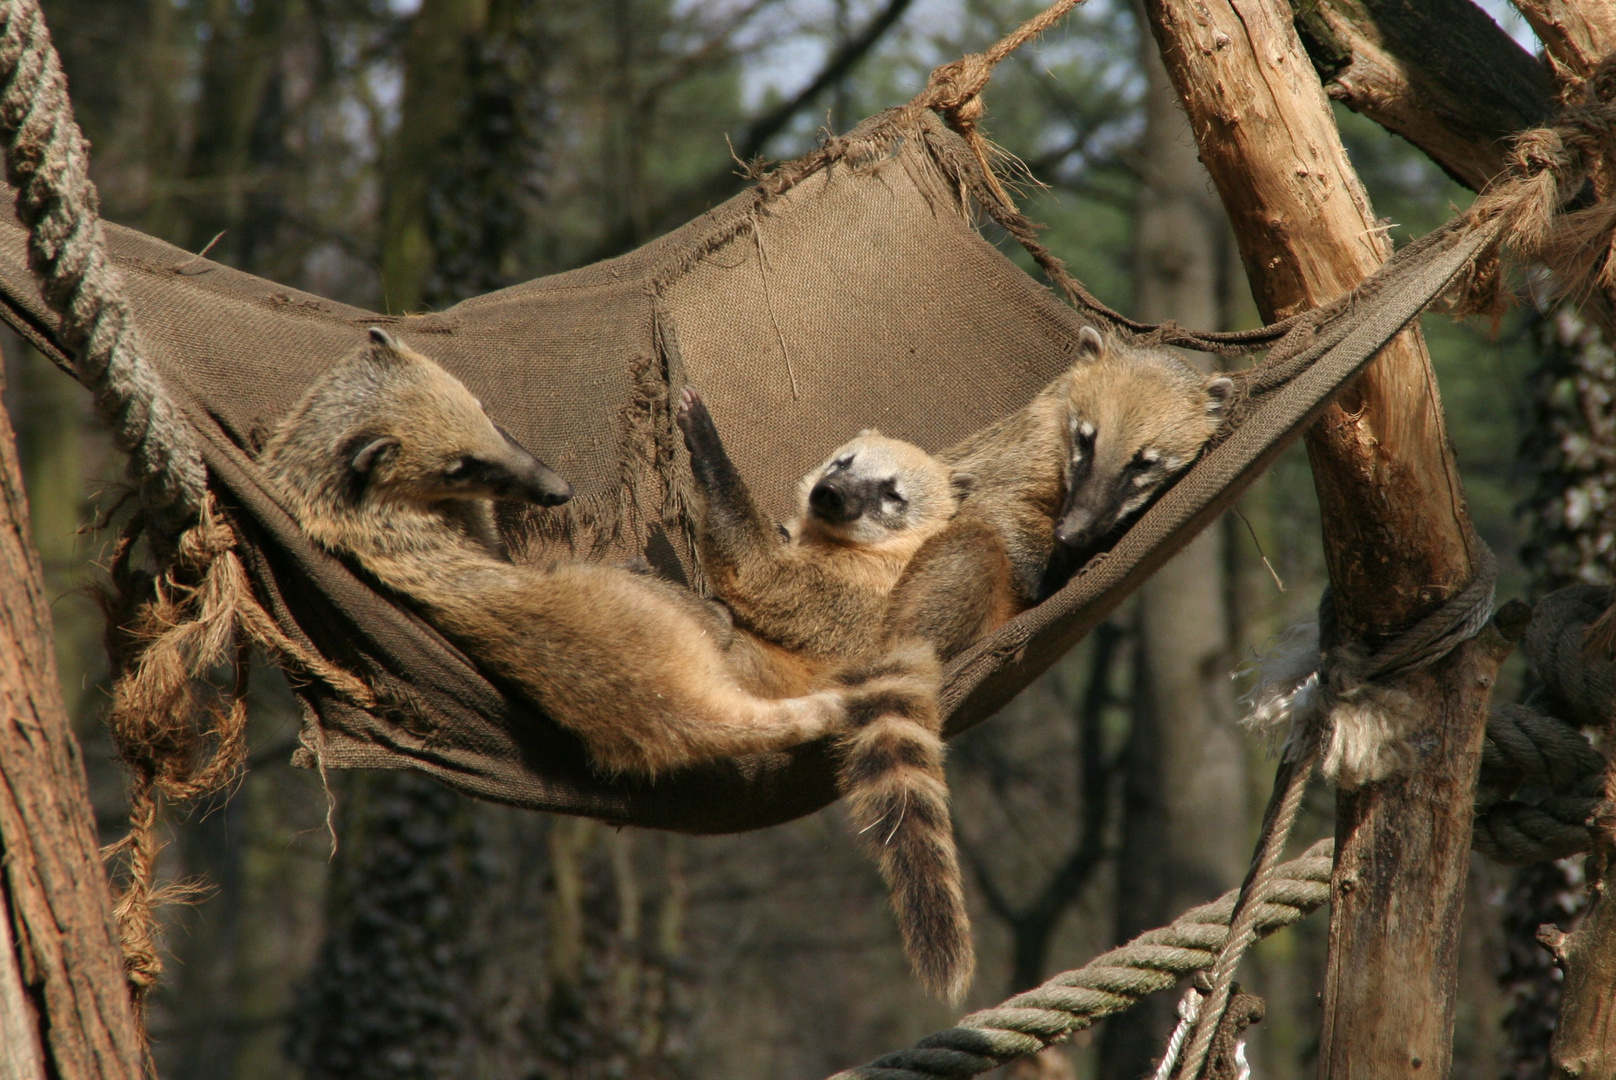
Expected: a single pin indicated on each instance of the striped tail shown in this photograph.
(892, 777)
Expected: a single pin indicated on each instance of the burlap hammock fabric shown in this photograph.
(845, 290)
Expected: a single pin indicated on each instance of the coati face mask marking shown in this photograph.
(1133, 425)
(874, 489)
(452, 450)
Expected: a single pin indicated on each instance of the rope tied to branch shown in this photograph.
(1549, 169)
(1336, 704)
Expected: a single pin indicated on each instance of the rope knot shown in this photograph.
(955, 88)
(1603, 81)
(1537, 151)
(205, 541)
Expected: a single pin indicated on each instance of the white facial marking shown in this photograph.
(1086, 430)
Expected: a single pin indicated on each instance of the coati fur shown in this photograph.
(819, 586)
(390, 460)
(1059, 479)
(820, 591)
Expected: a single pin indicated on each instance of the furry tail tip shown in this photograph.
(892, 777)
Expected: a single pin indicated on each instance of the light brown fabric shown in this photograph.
(849, 291)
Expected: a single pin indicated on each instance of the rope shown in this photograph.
(47, 163)
(1295, 769)
(1526, 748)
(181, 737)
(1110, 983)
(1546, 169)
(1189, 1007)
(954, 89)
(1350, 674)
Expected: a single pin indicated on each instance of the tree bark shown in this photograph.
(1186, 820)
(1584, 1044)
(1440, 73)
(1576, 33)
(1577, 37)
(1397, 536)
(61, 976)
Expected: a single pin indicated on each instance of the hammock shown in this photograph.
(845, 290)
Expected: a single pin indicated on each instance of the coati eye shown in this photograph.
(889, 493)
(843, 462)
(460, 469)
(1144, 461)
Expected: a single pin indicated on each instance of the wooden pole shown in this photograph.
(1439, 73)
(1577, 35)
(1397, 536)
(64, 1002)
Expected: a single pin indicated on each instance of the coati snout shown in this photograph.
(431, 438)
(875, 487)
(1135, 420)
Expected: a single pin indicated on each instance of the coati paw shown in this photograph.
(694, 419)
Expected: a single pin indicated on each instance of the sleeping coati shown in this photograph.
(821, 591)
(390, 460)
(891, 545)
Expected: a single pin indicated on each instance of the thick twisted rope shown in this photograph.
(47, 162)
(181, 737)
(1110, 983)
(1337, 694)
(1526, 748)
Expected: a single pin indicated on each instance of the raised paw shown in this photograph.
(701, 434)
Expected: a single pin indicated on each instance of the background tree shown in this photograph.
(559, 131)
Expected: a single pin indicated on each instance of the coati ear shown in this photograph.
(963, 484)
(1089, 343)
(371, 453)
(1219, 392)
(870, 433)
(387, 346)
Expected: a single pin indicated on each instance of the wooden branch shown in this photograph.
(1577, 36)
(63, 970)
(1396, 533)
(1440, 73)
(1576, 33)
(1584, 1044)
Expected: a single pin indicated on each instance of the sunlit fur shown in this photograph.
(1087, 454)
(642, 671)
(822, 591)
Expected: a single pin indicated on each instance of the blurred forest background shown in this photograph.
(404, 154)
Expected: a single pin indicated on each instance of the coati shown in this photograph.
(1039, 492)
(390, 460)
(1060, 478)
(820, 591)
(819, 585)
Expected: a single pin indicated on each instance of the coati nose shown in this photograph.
(538, 483)
(1074, 530)
(549, 488)
(832, 502)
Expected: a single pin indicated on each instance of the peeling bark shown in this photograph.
(1397, 536)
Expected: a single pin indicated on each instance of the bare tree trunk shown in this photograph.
(1397, 536)
(1577, 33)
(1578, 36)
(1439, 73)
(1186, 819)
(64, 1002)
